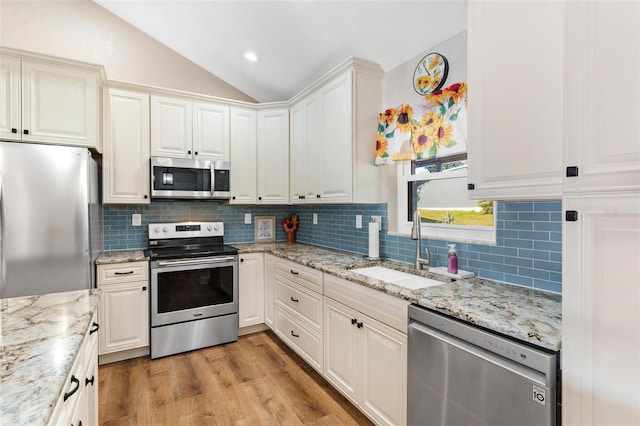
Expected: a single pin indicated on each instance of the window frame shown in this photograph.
(485, 235)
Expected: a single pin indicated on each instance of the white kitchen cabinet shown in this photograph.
(337, 120)
(124, 307)
(601, 310)
(251, 280)
(184, 128)
(78, 402)
(303, 151)
(243, 156)
(602, 143)
(273, 156)
(269, 290)
(298, 310)
(10, 110)
(49, 101)
(515, 92)
(335, 154)
(366, 361)
(125, 161)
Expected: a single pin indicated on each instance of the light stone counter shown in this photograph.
(39, 339)
(120, 256)
(531, 315)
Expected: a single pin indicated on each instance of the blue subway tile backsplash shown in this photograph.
(528, 250)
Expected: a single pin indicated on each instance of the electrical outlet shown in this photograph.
(358, 221)
(247, 218)
(315, 218)
(136, 219)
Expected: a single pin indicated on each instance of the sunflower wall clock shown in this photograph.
(430, 74)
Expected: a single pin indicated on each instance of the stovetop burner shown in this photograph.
(187, 240)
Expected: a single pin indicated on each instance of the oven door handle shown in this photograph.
(198, 261)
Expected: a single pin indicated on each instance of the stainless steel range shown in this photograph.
(194, 287)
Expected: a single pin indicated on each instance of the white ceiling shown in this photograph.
(296, 41)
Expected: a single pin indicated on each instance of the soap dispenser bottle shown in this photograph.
(452, 260)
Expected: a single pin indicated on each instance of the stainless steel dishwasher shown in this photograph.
(460, 375)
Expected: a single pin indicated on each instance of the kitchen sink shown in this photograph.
(399, 278)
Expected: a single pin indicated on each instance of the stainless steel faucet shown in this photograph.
(415, 235)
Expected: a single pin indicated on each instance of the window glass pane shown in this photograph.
(445, 201)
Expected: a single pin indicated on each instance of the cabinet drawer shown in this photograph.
(123, 272)
(306, 304)
(304, 342)
(385, 308)
(308, 277)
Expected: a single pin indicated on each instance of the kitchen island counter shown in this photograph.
(40, 337)
(531, 315)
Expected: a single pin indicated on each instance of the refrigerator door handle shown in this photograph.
(2, 241)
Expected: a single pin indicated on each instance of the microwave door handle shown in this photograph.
(213, 179)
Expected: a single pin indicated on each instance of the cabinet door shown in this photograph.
(125, 162)
(243, 156)
(335, 150)
(210, 131)
(90, 383)
(251, 289)
(10, 119)
(515, 99)
(269, 290)
(383, 372)
(303, 148)
(59, 105)
(171, 127)
(273, 156)
(124, 317)
(341, 348)
(602, 132)
(601, 311)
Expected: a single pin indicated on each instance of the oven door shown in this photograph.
(191, 289)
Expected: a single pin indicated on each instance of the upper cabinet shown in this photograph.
(48, 101)
(125, 163)
(273, 156)
(303, 150)
(184, 128)
(602, 147)
(333, 125)
(515, 83)
(243, 155)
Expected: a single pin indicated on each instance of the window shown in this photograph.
(437, 187)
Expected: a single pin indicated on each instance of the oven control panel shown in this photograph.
(186, 230)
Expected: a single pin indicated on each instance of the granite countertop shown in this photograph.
(120, 256)
(531, 315)
(39, 339)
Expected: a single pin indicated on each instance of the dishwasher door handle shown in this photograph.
(495, 359)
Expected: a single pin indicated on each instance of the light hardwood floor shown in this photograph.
(255, 381)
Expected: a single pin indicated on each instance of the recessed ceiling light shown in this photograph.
(251, 56)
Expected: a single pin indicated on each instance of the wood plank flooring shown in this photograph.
(255, 381)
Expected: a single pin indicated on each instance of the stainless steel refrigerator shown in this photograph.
(50, 219)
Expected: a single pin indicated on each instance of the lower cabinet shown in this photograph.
(78, 402)
(251, 289)
(124, 309)
(366, 361)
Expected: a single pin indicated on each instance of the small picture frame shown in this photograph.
(264, 229)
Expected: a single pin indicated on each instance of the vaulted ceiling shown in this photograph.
(295, 42)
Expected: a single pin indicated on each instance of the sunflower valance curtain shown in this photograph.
(434, 126)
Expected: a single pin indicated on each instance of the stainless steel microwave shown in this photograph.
(190, 179)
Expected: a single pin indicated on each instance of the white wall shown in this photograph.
(398, 89)
(83, 31)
